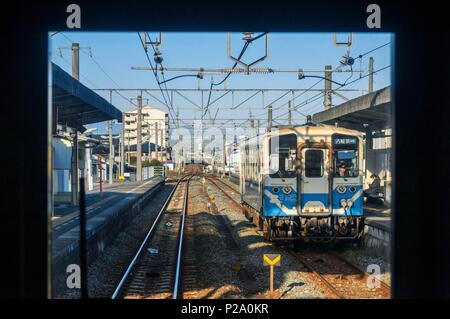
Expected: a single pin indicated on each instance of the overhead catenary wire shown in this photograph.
(107, 75)
(244, 48)
(102, 69)
(302, 93)
(322, 79)
(170, 108)
(318, 96)
(83, 76)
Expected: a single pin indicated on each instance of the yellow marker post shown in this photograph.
(271, 260)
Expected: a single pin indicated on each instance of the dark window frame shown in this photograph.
(322, 162)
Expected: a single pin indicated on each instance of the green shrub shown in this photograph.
(155, 162)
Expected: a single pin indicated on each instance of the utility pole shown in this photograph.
(122, 147)
(269, 118)
(76, 61)
(370, 74)
(257, 143)
(74, 170)
(111, 151)
(148, 132)
(161, 144)
(289, 113)
(74, 159)
(224, 154)
(128, 148)
(327, 95)
(119, 172)
(156, 140)
(139, 140)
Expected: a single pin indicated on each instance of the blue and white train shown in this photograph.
(304, 182)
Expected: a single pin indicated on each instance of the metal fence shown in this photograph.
(150, 171)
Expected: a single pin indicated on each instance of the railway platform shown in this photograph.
(105, 218)
(377, 230)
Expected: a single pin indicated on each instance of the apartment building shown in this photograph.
(155, 124)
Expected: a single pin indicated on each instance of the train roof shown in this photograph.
(314, 129)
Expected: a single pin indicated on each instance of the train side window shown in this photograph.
(314, 163)
(283, 155)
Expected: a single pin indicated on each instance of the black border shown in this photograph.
(421, 86)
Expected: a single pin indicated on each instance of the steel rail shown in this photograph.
(365, 275)
(180, 242)
(327, 284)
(214, 181)
(141, 247)
(297, 256)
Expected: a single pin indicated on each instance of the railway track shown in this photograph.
(227, 190)
(340, 278)
(155, 270)
(337, 276)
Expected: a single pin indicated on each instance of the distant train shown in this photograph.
(304, 182)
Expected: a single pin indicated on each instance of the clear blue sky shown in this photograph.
(118, 52)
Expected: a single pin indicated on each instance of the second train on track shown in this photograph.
(304, 182)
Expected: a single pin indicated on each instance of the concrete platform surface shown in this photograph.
(378, 217)
(105, 219)
(66, 217)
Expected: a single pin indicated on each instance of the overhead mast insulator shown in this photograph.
(247, 36)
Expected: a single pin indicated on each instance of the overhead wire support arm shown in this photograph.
(248, 41)
(180, 76)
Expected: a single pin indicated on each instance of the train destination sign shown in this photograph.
(343, 140)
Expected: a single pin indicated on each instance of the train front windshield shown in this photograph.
(346, 162)
(345, 156)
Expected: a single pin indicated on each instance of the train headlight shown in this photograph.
(349, 202)
(341, 189)
(275, 190)
(287, 190)
(352, 189)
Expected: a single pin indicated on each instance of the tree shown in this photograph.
(155, 162)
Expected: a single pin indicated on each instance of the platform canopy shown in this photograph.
(369, 111)
(76, 105)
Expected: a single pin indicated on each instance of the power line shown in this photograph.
(170, 108)
(102, 69)
(359, 57)
(316, 97)
(83, 76)
(244, 48)
(379, 47)
(105, 73)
